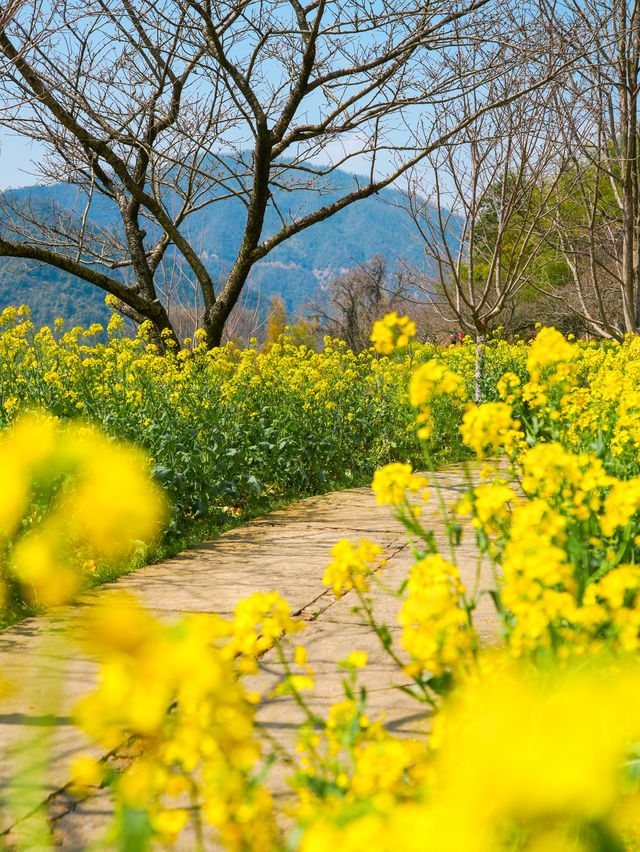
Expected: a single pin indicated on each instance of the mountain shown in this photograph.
(294, 271)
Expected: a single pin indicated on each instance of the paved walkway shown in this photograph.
(286, 551)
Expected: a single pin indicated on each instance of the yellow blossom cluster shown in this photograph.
(258, 621)
(489, 428)
(429, 382)
(526, 738)
(392, 482)
(549, 362)
(570, 481)
(392, 332)
(559, 563)
(355, 759)
(436, 631)
(207, 746)
(489, 504)
(69, 496)
(352, 566)
(508, 387)
(431, 379)
(620, 505)
(563, 518)
(517, 768)
(538, 584)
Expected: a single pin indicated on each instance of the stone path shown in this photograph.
(286, 551)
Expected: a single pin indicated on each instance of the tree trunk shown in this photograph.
(479, 375)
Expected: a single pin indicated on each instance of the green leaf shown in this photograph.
(385, 636)
(495, 597)
(135, 830)
(254, 484)
(441, 684)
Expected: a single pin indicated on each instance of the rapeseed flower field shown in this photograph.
(534, 743)
(221, 427)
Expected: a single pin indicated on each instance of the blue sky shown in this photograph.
(16, 155)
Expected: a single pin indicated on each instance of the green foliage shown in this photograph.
(222, 429)
(233, 433)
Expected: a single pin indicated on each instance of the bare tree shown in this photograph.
(486, 217)
(350, 303)
(597, 227)
(159, 108)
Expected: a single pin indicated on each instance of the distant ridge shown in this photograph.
(295, 271)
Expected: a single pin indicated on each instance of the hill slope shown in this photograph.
(294, 271)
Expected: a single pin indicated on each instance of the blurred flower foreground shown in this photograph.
(532, 745)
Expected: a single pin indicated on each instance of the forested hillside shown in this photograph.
(295, 271)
